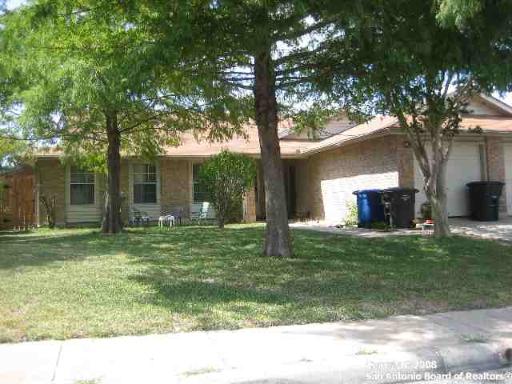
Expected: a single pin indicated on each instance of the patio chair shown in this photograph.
(166, 220)
(170, 218)
(201, 214)
(139, 217)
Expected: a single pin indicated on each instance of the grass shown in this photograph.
(76, 283)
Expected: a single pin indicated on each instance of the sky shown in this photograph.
(11, 4)
(507, 97)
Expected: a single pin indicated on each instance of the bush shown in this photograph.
(49, 206)
(351, 218)
(380, 225)
(226, 178)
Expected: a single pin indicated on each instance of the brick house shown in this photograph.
(320, 173)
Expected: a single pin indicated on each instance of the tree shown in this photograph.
(457, 12)
(261, 51)
(12, 147)
(490, 22)
(12, 150)
(227, 177)
(93, 84)
(406, 65)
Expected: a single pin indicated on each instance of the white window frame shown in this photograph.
(93, 183)
(156, 182)
(194, 184)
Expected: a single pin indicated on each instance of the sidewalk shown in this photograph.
(342, 352)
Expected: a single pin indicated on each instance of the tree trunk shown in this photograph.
(112, 216)
(221, 217)
(433, 169)
(277, 235)
(436, 195)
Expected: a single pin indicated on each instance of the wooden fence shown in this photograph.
(17, 199)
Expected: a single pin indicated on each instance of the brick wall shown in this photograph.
(405, 158)
(330, 177)
(51, 179)
(175, 184)
(175, 188)
(495, 156)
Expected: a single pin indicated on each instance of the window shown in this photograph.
(144, 184)
(81, 187)
(199, 190)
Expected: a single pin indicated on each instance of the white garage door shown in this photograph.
(508, 176)
(464, 166)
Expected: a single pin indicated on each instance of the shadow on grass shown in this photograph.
(38, 248)
(207, 278)
(198, 270)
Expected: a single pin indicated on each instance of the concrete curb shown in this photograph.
(423, 364)
(475, 356)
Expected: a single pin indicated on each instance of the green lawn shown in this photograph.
(76, 282)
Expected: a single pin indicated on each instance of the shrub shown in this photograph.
(226, 178)
(380, 225)
(49, 206)
(351, 218)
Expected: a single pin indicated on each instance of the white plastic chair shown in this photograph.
(202, 214)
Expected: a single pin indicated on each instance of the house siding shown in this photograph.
(480, 107)
(84, 213)
(324, 181)
(174, 190)
(333, 175)
(51, 182)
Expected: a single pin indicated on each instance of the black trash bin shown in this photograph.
(369, 207)
(484, 199)
(399, 206)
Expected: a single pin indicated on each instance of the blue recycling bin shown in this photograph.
(369, 207)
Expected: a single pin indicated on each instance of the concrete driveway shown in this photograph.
(498, 230)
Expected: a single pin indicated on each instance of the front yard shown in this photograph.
(77, 283)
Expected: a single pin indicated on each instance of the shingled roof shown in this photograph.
(338, 132)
